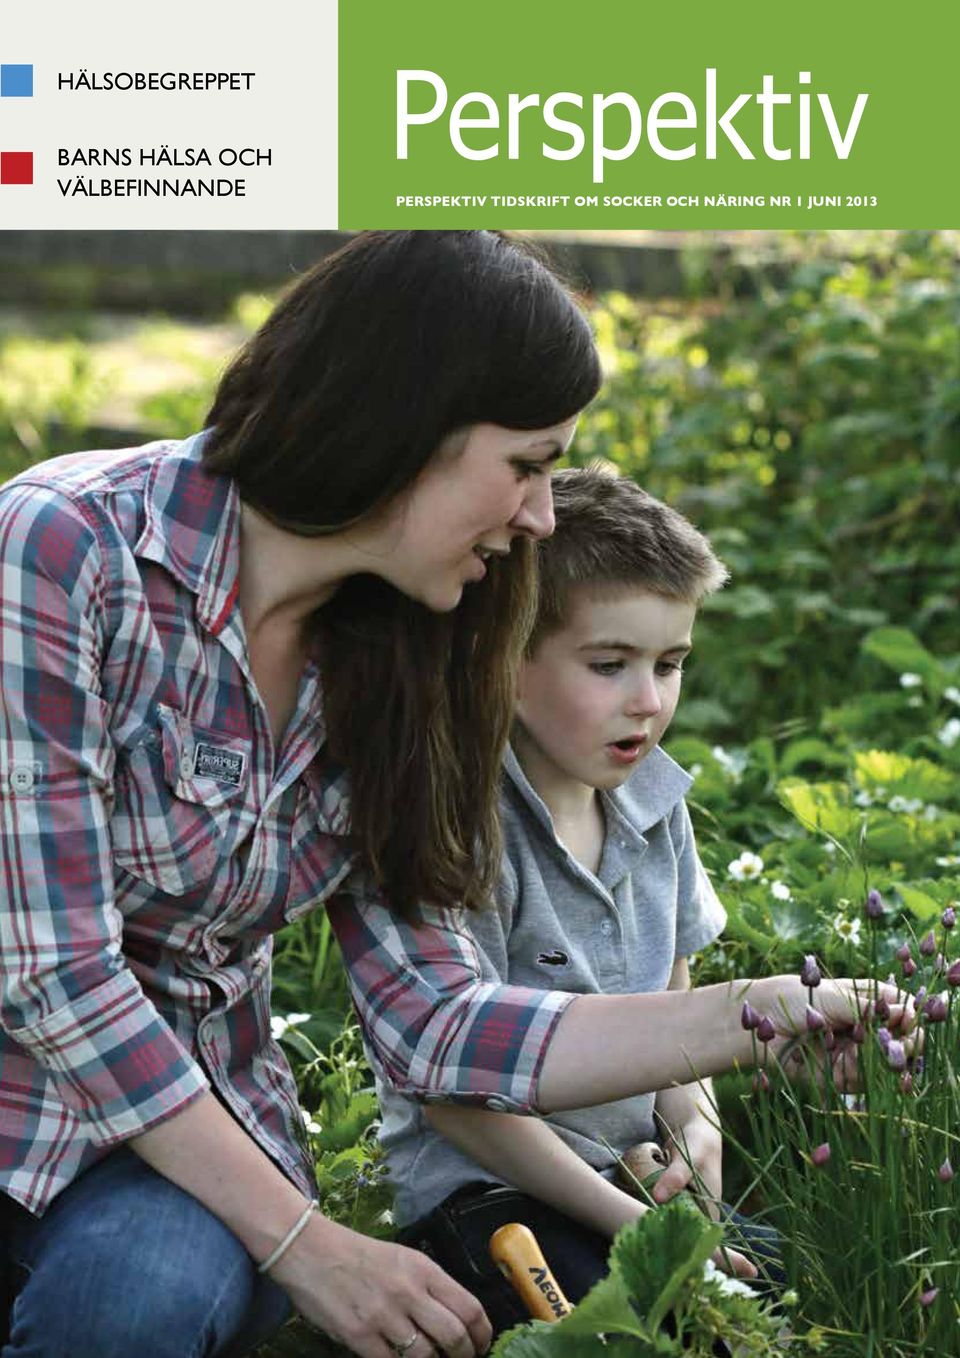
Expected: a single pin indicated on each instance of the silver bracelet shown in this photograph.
(289, 1238)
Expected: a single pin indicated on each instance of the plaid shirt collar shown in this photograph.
(192, 529)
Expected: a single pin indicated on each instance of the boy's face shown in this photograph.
(598, 695)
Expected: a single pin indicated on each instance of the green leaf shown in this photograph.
(901, 775)
(918, 902)
(926, 898)
(657, 1255)
(793, 919)
(900, 651)
(818, 806)
(811, 750)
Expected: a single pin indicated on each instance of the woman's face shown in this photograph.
(484, 487)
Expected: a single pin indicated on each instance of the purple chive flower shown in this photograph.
(920, 996)
(765, 1029)
(749, 1018)
(761, 1082)
(883, 1037)
(906, 1083)
(909, 967)
(873, 906)
(882, 1008)
(953, 974)
(858, 1033)
(938, 963)
(928, 1297)
(949, 917)
(945, 1172)
(829, 1040)
(903, 952)
(928, 944)
(810, 972)
(936, 1009)
(896, 1054)
(815, 1020)
(820, 1154)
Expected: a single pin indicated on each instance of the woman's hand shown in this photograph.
(374, 1296)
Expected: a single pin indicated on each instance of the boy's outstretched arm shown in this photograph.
(687, 1115)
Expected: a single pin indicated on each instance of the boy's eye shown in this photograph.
(665, 667)
(607, 667)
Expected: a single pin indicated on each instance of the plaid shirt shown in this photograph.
(152, 841)
(437, 1025)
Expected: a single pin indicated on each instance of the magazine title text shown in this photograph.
(786, 121)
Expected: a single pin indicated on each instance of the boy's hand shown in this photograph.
(695, 1154)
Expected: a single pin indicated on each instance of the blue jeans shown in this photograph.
(123, 1263)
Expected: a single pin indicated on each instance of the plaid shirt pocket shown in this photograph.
(169, 822)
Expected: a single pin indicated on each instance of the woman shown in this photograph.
(199, 642)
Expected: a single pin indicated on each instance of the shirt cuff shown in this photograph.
(493, 1061)
(114, 1061)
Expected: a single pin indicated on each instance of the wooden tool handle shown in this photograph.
(515, 1252)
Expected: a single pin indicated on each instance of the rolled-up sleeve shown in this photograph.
(435, 1027)
(66, 994)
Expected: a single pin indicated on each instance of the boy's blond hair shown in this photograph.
(611, 534)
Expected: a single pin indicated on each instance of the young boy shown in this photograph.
(602, 891)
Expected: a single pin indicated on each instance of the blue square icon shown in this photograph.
(16, 82)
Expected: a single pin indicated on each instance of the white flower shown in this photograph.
(949, 735)
(949, 860)
(723, 1280)
(696, 770)
(780, 891)
(733, 762)
(952, 694)
(746, 867)
(863, 798)
(848, 929)
(908, 805)
(931, 812)
(278, 1025)
(830, 847)
(910, 680)
(310, 1122)
(915, 700)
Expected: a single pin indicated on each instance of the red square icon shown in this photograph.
(16, 167)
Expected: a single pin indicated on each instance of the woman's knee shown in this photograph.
(128, 1263)
(180, 1305)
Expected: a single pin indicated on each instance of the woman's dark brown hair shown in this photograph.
(334, 407)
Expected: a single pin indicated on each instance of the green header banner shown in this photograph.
(623, 114)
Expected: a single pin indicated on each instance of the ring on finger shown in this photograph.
(407, 1344)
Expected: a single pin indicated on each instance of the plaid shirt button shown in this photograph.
(22, 778)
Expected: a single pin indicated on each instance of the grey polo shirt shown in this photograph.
(559, 927)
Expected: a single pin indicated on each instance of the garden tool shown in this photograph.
(517, 1255)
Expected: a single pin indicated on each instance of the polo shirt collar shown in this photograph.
(192, 528)
(650, 794)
